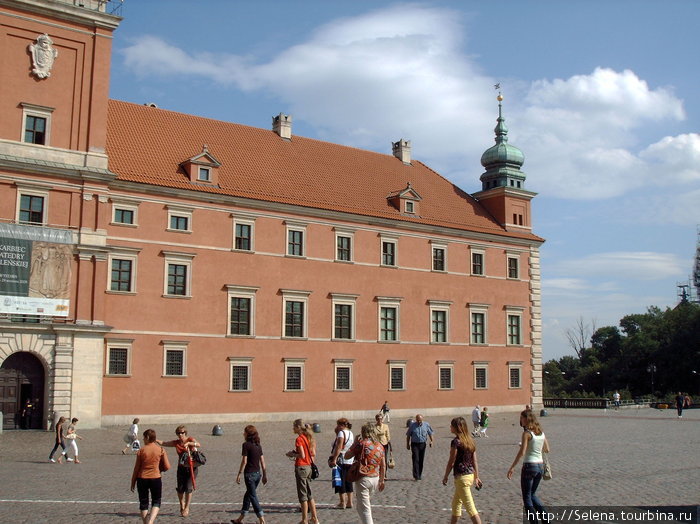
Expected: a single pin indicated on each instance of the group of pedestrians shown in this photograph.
(62, 436)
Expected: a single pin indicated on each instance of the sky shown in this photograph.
(601, 97)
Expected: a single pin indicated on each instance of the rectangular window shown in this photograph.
(477, 263)
(478, 328)
(118, 360)
(388, 253)
(343, 377)
(31, 209)
(121, 275)
(241, 373)
(204, 174)
(514, 377)
(240, 316)
(344, 248)
(180, 223)
(294, 319)
(481, 377)
(295, 242)
(35, 130)
(179, 219)
(397, 375)
(174, 363)
(439, 325)
(513, 270)
(514, 337)
(388, 317)
(446, 375)
(177, 279)
(294, 375)
(124, 216)
(438, 259)
(410, 206)
(244, 237)
(343, 321)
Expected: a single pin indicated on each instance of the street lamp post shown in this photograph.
(651, 368)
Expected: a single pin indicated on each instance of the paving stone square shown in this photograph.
(631, 457)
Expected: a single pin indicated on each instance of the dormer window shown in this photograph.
(406, 200)
(202, 168)
(410, 206)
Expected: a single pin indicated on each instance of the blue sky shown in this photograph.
(602, 98)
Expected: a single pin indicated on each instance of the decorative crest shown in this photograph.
(43, 56)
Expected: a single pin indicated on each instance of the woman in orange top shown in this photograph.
(185, 481)
(303, 454)
(151, 459)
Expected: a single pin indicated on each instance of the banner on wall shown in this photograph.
(35, 270)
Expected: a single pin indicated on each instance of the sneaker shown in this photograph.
(69, 460)
(52, 460)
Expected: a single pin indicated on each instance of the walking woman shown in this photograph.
(151, 460)
(370, 453)
(303, 454)
(131, 436)
(252, 462)
(59, 441)
(464, 466)
(185, 476)
(343, 440)
(532, 445)
(384, 436)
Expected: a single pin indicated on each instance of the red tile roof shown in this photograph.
(147, 145)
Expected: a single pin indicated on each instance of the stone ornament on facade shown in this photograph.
(43, 56)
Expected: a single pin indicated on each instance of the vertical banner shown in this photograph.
(35, 270)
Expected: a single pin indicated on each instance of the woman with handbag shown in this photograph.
(384, 435)
(532, 445)
(465, 468)
(370, 466)
(303, 454)
(343, 440)
(151, 461)
(131, 436)
(186, 471)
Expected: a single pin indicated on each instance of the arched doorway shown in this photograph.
(22, 380)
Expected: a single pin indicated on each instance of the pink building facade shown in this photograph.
(266, 275)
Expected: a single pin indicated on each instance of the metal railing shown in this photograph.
(595, 403)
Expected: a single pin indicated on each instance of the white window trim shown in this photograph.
(342, 363)
(123, 253)
(389, 302)
(434, 244)
(409, 204)
(391, 240)
(209, 172)
(295, 226)
(295, 362)
(516, 257)
(440, 305)
(175, 345)
(345, 300)
(293, 295)
(450, 365)
(397, 364)
(32, 190)
(518, 312)
(484, 309)
(114, 343)
(345, 233)
(177, 211)
(246, 362)
(246, 222)
(241, 292)
(476, 251)
(38, 111)
(126, 206)
(484, 366)
(182, 259)
(519, 367)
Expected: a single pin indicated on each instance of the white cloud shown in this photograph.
(642, 265)
(678, 155)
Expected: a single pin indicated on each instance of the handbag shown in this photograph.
(314, 471)
(198, 459)
(391, 464)
(164, 464)
(353, 474)
(335, 476)
(547, 474)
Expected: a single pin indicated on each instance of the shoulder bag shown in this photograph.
(547, 475)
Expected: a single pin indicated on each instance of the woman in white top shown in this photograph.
(532, 445)
(343, 441)
(131, 436)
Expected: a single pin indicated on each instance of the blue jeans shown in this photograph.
(530, 477)
(251, 481)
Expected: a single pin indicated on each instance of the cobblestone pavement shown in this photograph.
(635, 457)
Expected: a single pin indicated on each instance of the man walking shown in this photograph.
(418, 434)
(476, 420)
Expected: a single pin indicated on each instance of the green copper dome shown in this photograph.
(502, 161)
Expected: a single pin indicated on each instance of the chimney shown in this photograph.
(402, 150)
(282, 125)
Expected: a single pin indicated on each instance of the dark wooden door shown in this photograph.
(21, 378)
(9, 399)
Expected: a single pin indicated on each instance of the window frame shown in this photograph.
(341, 363)
(473, 253)
(118, 204)
(434, 260)
(439, 306)
(294, 363)
(514, 312)
(513, 257)
(389, 303)
(400, 365)
(295, 227)
(383, 239)
(178, 213)
(348, 235)
(204, 169)
(242, 362)
(485, 367)
(114, 343)
(244, 221)
(515, 366)
(36, 111)
(245, 292)
(180, 259)
(33, 191)
(174, 346)
(342, 299)
(123, 253)
(478, 309)
(292, 295)
(448, 365)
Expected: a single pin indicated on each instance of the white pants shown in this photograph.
(73, 446)
(364, 488)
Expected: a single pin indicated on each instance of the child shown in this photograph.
(484, 423)
(71, 435)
